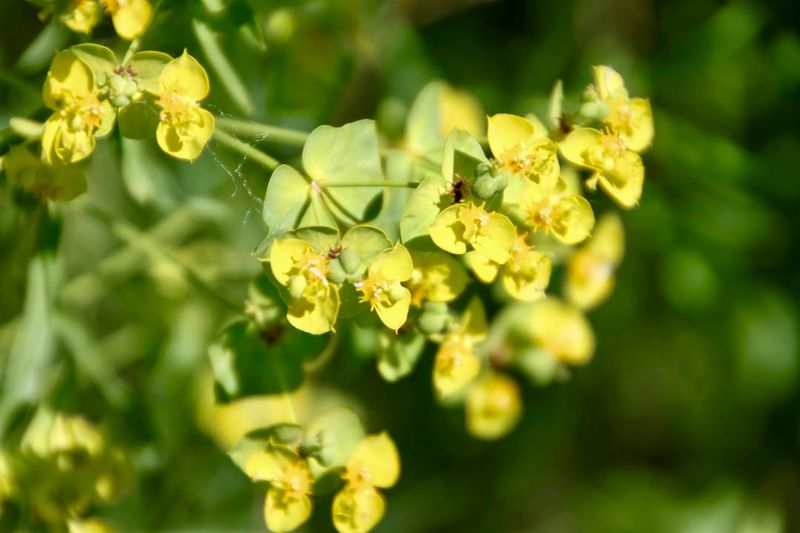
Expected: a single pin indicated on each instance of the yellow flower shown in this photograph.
(521, 147)
(565, 215)
(374, 464)
(465, 226)
(561, 330)
(455, 364)
(618, 170)
(89, 525)
(184, 127)
(82, 15)
(630, 118)
(313, 300)
(493, 407)
(288, 503)
(383, 289)
(130, 17)
(437, 277)
(79, 115)
(590, 270)
(525, 276)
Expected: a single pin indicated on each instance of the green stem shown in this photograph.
(264, 132)
(245, 149)
(409, 184)
(138, 239)
(132, 49)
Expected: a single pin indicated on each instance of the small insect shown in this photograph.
(457, 189)
(564, 125)
(333, 253)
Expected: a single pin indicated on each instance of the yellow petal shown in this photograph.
(357, 509)
(574, 219)
(608, 240)
(283, 254)
(89, 525)
(473, 321)
(68, 77)
(493, 407)
(187, 142)
(132, 18)
(562, 330)
(455, 366)
(83, 16)
(437, 277)
(527, 281)
(484, 268)
(609, 83)
(394, 315)
(498, 239)
(283, 512)
(638, 134)
(375, 461)
(394, 264)
(505, 132)
(264, 465)
(62, 145)
(578, 144)
(185, 76)
(447, 233)
(624, 184)
(317, 317)
(589, 280)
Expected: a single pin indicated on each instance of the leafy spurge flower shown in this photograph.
(493, 406)
(630, 118)
(521, 147)
(561, 330)
(619, 171)
(79, 114)
(465, 226)
(436, 277)
(313, 299)
(184, 127)
(288, 503)
(565, 215)
(373, 464)
(525, 276)
(590, 270)
(130, 17)
(82, 16)
(455, 364)
(383, 288)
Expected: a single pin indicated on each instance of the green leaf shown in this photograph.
(286, 200)
(147, 67)
(333, 157)
(145, 175)
(399, 169)
(27, 367)
(335, 434)
(214, 46)
(322, 239)
(250, 362)
(555, 105)
(462, 155)
(283, 433)
(367, 241)
(137, 120)
(427, 200)
(423, 127)
(100, 59)
(398, 354)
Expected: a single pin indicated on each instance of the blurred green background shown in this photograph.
(688, 419)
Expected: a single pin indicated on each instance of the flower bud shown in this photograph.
(297, 285)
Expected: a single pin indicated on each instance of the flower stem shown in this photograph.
(265, 132)
(377, 183)
(243, 148)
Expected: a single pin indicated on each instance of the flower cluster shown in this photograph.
(89, 91)
(482, 229)
(130, 17)
(61, 468)
(298, 470)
